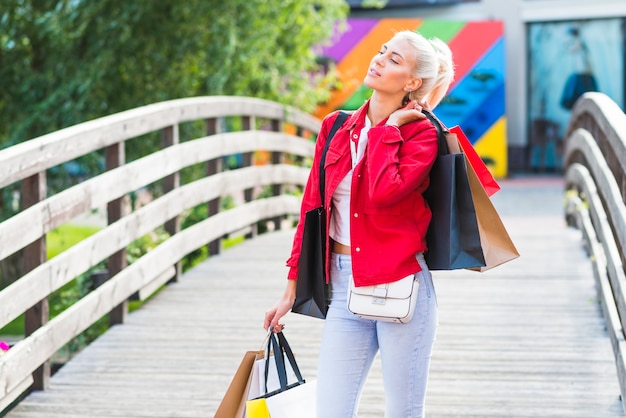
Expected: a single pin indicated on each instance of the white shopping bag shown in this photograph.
(272, 377)
(295, 402)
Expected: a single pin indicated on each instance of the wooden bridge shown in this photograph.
(539, 336)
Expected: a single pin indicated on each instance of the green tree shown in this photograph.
(63, 62)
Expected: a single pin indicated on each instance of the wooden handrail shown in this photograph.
(595, 174)
(26, 361)
(31, 157)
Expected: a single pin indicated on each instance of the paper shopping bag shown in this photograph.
(289, 399)
(312, 290)
(295, 402)
(272, 381)
(458, 142)
(298, 401)
(257, 408)
(495, 241)
(254, 383)
(487, 180)
(234, 401)
(452, 238)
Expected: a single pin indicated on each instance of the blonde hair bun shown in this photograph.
(433, 65)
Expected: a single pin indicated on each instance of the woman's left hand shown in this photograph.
(408, 113)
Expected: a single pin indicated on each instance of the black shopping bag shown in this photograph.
(312, 293)
(311, 288)
(453, 238)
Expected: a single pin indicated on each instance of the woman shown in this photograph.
(377, 168)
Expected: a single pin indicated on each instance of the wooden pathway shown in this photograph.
(524, 340)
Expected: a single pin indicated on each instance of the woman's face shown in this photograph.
(390, 70)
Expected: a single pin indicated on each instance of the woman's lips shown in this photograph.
(374, 72)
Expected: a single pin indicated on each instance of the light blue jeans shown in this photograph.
(349, 345)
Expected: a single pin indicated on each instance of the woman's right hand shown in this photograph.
(408, 113)
(280, 309)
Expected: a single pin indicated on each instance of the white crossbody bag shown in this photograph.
(392, 302)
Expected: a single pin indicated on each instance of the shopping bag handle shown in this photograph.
(441, 131)
(279, 361)
(279, 345)
(292, 359)
(341, 118)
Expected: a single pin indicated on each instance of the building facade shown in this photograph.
(552, 51)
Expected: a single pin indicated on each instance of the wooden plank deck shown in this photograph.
(524, 340)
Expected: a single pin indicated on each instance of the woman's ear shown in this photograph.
(413, 84)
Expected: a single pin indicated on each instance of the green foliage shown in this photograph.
(63, 62)
(13, 328)
(65, 236)
(141, 246)
(57, 241)
(374, 4)
(67, 296)
(192, 217)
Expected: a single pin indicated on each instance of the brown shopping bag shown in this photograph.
(234, 402)
(494, 238)
(484, 175)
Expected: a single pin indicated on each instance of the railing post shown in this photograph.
(298, 159)
(33, 191)
(170, 137)
(248, 123)
(115, 156)
(213, 167)
(277, 158)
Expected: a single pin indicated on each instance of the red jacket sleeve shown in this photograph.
(399, 160)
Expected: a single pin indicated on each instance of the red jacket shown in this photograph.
(389, 214)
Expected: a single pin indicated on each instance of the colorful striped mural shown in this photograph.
(475, 101)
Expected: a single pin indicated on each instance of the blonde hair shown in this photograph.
(433, 64)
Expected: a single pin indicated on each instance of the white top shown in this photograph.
(340, 214)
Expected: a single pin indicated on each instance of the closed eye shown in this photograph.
(393, 58)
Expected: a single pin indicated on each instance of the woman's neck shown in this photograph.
(381, 107)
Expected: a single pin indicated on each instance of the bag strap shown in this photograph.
(279, 345)
(339, 120)
(441, 132)
(279, 361)
(282, 341)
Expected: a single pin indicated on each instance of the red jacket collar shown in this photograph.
(357, 118)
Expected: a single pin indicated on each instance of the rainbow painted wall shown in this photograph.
(475, 101)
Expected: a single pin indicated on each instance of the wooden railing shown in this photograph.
(595, 163)
(287, 135)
